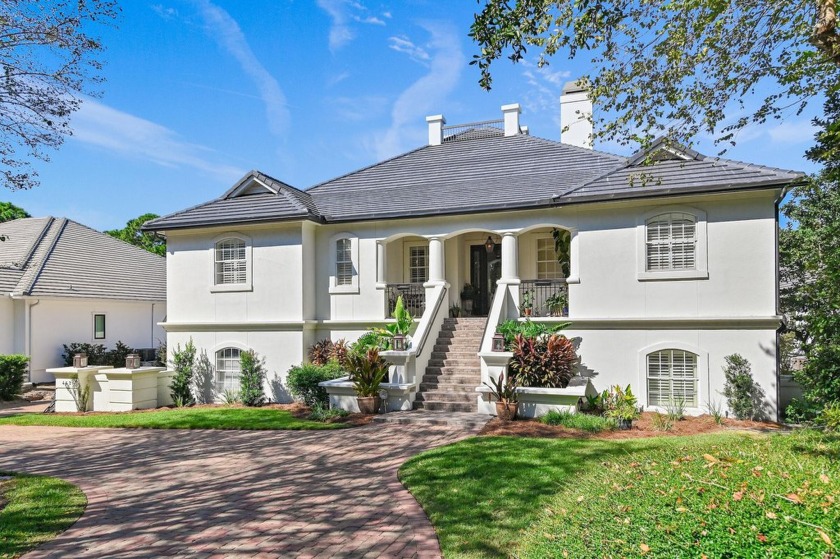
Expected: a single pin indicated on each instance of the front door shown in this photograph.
(485, 271)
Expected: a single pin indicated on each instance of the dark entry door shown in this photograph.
(485, 271)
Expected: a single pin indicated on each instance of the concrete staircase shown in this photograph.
(454, 369)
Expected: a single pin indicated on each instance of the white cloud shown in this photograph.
(131, 136)
(544, 89)
(404, 45)
(343, 13)
(224, 29)
(793, 131)
(164, 11)
(426, 95)
(358, 109)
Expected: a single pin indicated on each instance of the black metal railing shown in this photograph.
(473, 130)
(544, 298)
(413, 294)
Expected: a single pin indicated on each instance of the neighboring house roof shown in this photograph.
(57, 257)
(480, 173)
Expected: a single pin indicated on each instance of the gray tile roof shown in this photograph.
(61, 258)
(488, 172)
(278, 202)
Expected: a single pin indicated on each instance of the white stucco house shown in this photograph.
(672, 262)
(62, 282)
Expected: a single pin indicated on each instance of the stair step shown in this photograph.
(467, 380)
(449, 370)
(472, 362)
(446, 406)
(454, 355)
(447, 387)
(441, 396)
(464, 420)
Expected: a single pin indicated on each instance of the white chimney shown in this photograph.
(511, 115)
(436, 123)
(575, 115)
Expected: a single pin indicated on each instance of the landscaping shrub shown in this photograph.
(367, 372)
(116, 357)
(527, 329)
(95, 353)
(369, 340)
(79, 393)
(620, 403)
(662, 422)
(303, 382)
(12, 375)
(183, 361)
(582, 421)
(326, 350)
(829, 417)
(251, 378)
(744, 397)
(542, 362)
(326, 414)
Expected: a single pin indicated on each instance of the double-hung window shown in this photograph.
(418, 264)
(344, 262)
(672, 377)
(671, 242)
(228, 369)
(548, 267)
(231, 263)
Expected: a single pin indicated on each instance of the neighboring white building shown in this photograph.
(673, 259)
(62, 282)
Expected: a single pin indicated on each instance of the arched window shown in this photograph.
(231, 262)
(671, 377)
(671, 242)
(227, 370)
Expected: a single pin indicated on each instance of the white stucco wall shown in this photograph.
(7, 325)
(55, 322)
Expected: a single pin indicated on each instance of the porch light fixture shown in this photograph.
(132, 361)
(399, 342)
(80, 360)
(489, 244)
(498, 342)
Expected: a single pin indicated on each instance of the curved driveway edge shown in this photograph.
(254, 494)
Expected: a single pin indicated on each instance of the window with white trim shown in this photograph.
(672, 377)
(671, 242)
(418, 264)
(344, 262)
(231, 262)
(548, 266)
(228, 369)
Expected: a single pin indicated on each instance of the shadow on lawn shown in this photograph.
(480, 493)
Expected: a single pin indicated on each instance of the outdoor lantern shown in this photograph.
(80, 360)
(489, 244)
(399, 342)
(498, 342)
(132, 361)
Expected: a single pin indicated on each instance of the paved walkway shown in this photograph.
(202, 494)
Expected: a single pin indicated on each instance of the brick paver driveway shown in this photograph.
(233, 493)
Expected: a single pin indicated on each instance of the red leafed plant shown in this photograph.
(547, 361)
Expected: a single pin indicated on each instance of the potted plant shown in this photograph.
(468, 294)
(455, 311)
(527, 304)
(557, 304)
(504, 390)
(367, 371)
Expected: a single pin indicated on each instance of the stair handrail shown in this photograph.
(426, 326)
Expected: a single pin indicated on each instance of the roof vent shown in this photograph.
(576, 115)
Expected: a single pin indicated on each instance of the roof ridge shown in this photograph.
(27, 281)
(573, 147)
(34, 246)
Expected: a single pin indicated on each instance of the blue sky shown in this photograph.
(198, 92)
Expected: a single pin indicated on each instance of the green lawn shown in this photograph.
(34, 509)
(178, 418)
(656, 497)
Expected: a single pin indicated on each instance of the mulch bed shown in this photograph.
(642, 427)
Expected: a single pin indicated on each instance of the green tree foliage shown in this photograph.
(183, 361)
(131, 233)
(9, 211)
(12, 374)
(674, 68)
(810, 266)
(251, 379)
(744, 397)
(47, 54)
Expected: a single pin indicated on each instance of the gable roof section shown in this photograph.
(667, 168)
(255, 198)
(484, 174)
(67, 259)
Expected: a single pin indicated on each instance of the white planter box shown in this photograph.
(536, 402)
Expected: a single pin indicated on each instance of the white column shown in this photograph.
(510, 257)
(380, 262)
(436, 261)
(574, 258)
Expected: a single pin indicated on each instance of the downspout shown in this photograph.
(776, 205)
(27, 342)
(152, 327)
